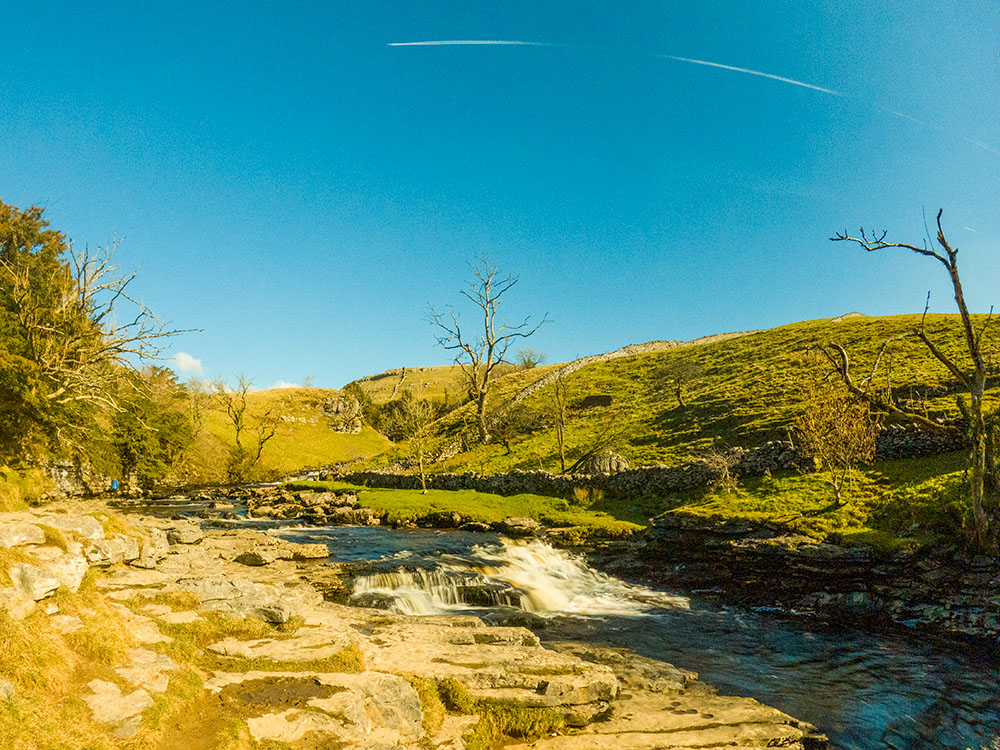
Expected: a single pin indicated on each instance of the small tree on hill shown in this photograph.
(560, 400)
(837, 431)
(251, 432)
(527, 358)
(481, 353)
(414, 421)
(677, 374)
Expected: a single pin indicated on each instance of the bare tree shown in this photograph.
(251, 432)
(982, 425)
(77, 327)
(720, 463)
(837, 430)
(481, 352)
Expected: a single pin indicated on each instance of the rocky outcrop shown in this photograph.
(760, 564)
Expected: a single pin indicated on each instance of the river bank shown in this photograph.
(172, 633)
(938, 590)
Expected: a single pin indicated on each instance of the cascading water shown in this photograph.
(532, 576)
(864, 689)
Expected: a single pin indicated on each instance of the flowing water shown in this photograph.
(865, 690)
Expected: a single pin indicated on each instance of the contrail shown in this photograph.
(514, 43)
(760, 73)
(689, 60)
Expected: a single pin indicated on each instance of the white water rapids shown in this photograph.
(533, 576)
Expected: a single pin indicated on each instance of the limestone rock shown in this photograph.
(185, 533)
(6, 689)
(86, 527)
(69, 569)
(33, 581)
(310, 552)
(255, 557)
(16, 534)
(148, 670)
(108, 704)
(514, 526)
(605, 462)
(18, 604)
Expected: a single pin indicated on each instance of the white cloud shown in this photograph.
(184, 362)
(285, 384)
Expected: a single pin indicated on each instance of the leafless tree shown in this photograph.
(481, 351)
(679, 373)
(251, 432)
(721, 463)
(87, 324)
(982, 424)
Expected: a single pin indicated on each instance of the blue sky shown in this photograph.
(289, 183)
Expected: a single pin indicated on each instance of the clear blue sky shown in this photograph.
(301, 191)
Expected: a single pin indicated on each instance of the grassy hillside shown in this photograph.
(437, 383)
(305, 435)
(748, 392)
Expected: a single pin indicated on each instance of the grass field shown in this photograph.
(401, 506)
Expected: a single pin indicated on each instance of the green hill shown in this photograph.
(747, 391)
(306, 436)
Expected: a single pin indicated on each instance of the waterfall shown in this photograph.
(532, 576)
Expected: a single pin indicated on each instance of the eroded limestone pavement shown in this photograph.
(292, 688)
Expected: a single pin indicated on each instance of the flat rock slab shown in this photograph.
(86, 527)
(66, 623)
(36, 583)
(148, 670)
(16, 534)
(355, 710)
(656, 720)
(108, 704)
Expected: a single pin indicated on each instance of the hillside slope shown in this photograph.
(307, 436)
(747, 391)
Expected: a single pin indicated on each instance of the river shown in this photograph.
(865, 690)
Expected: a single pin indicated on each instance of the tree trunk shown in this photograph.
(680, 397)
(484, 435)
(420, 463)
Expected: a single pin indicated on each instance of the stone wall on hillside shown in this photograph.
(777, 455)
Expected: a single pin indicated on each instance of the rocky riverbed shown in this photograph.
(331, 675)
(941, 590)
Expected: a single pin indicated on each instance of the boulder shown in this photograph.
(514, 526)
(16, 534)
(255, 557)
(605, 462)
(185, 533)
(67, 567)
(35, 582)
(86, 527)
